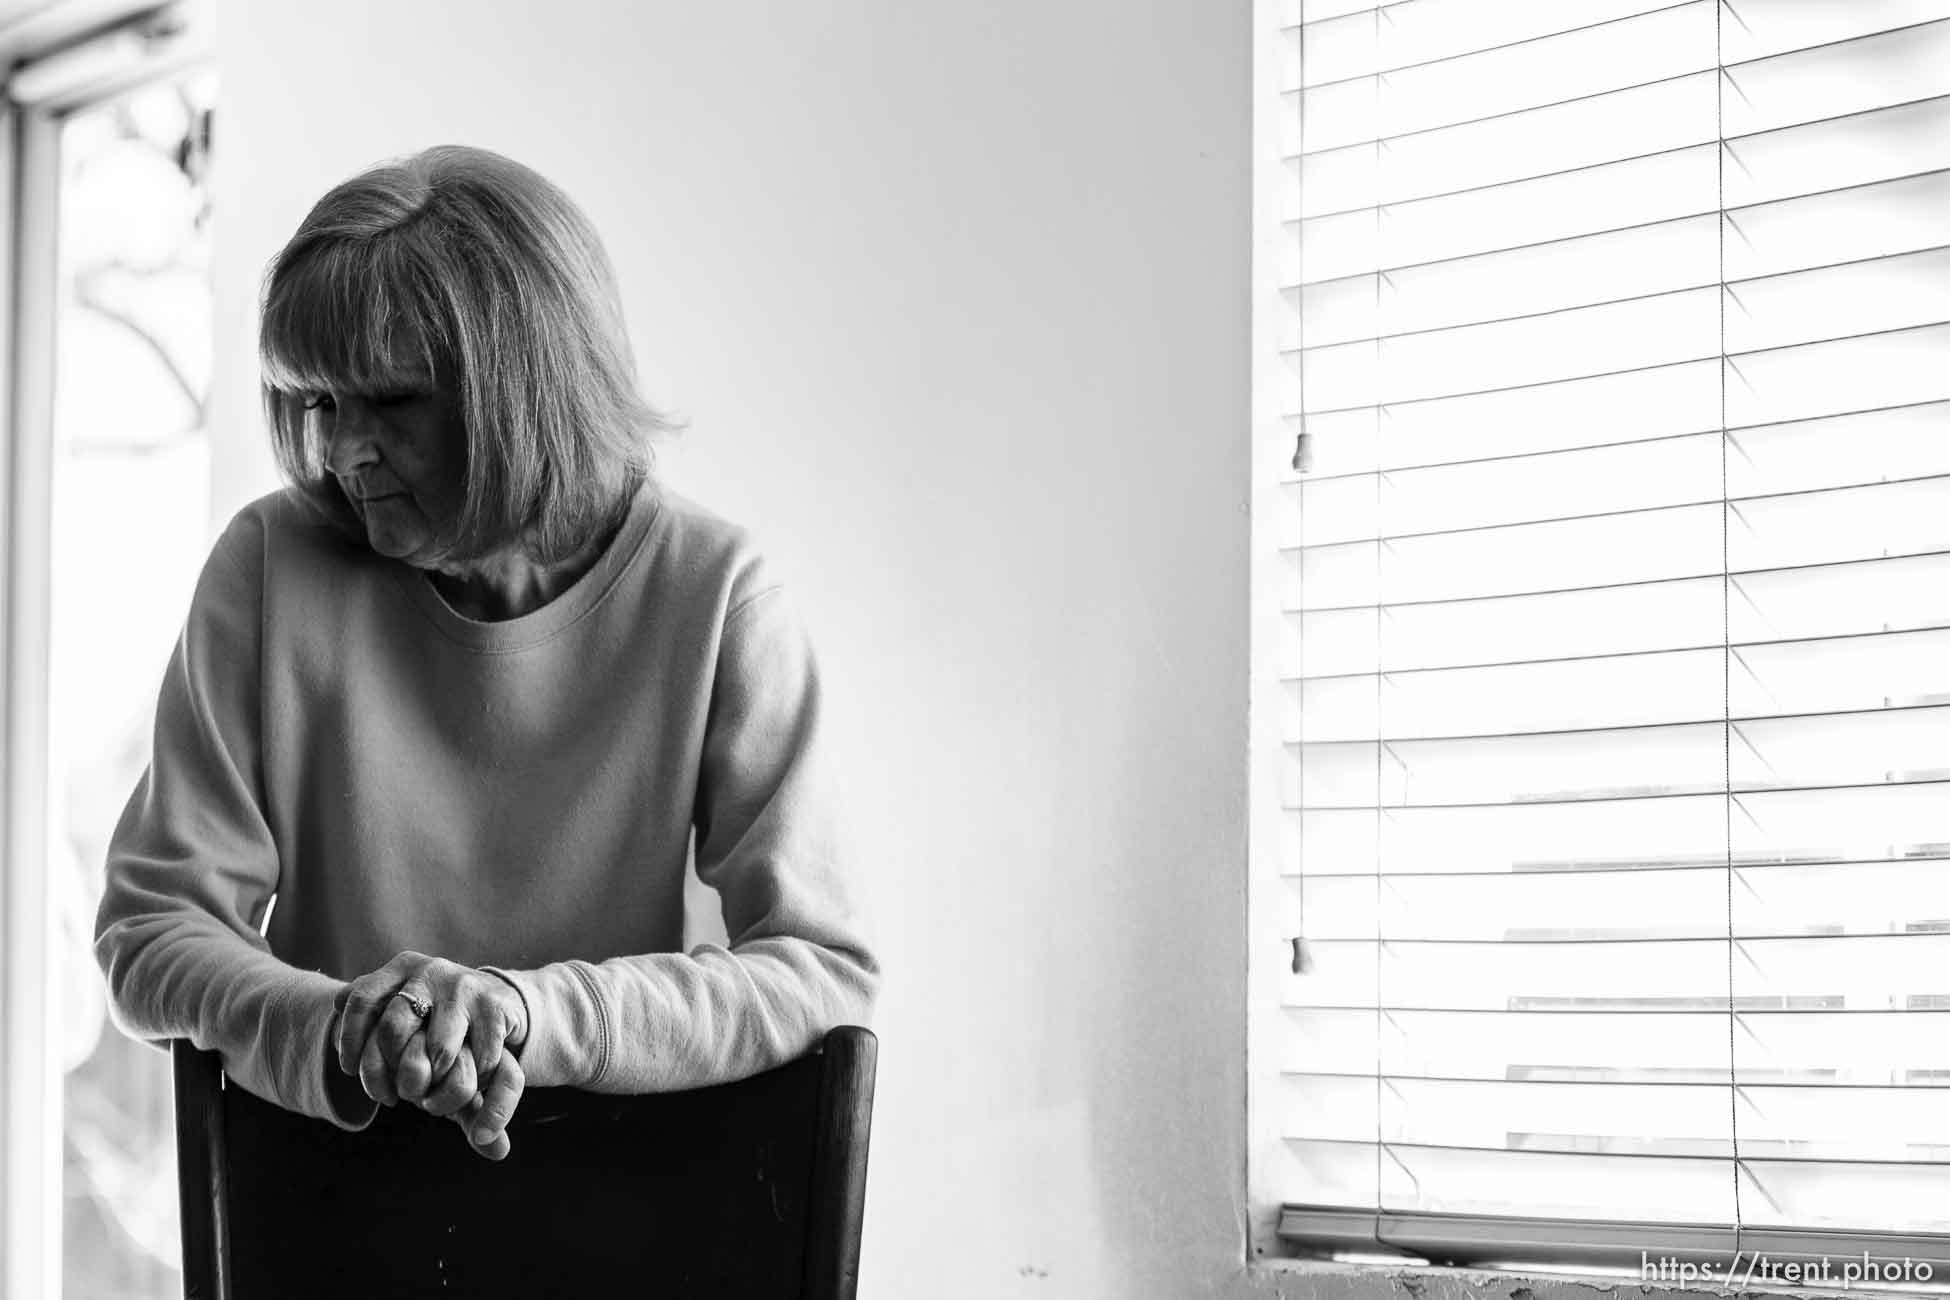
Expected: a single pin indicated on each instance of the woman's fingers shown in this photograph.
(397, 1053)
(414, 1077)
(375, 1076)
(456, 1090)
(379, 1061)
(446, 1031)
(496, 1149)
(365, 1003)
(471, 1015)
(500, 1096)
(487, 1038)
(399, 1024)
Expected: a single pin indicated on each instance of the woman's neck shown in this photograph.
(510, 582)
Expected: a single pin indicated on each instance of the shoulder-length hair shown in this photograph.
(464, 265)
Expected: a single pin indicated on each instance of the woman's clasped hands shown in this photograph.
(441, 1036)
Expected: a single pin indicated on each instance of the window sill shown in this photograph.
(1334, 1280)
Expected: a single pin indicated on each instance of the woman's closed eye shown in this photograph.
(325, 401)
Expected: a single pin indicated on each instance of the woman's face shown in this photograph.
(400, 456)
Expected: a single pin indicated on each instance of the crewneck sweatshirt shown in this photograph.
(519, 795)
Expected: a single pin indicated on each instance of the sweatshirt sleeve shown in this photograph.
(192, 867)
(769, 840)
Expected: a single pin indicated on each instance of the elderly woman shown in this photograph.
(456, 699)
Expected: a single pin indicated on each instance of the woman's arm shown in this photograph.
(192, 867)
(769, 840)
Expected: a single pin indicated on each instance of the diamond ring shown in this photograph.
(421, 1007)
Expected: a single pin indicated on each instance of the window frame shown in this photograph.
(1271, 440)
(30, 1083)
(32, 1112)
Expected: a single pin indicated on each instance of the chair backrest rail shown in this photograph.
(838, 1198)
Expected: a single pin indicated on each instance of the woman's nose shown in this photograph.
(349, 445)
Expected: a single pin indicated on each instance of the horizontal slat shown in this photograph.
(1642, 905)
(1451, 30)
(1843, 524)
(1836, 451)
(1802, 381)
(1682, 759)
(1521, 708)
(1591, 694)
(1592, 60)
(1871, 372)
(1848, 749)
(1314, 11)
(1894, 292)
(1849, 524)
(1865, 221)
(1669, 255)
(1841, 1049)
(1659, 118)
(1893, 1123)
(1615, 620)
(1811, 1194)
(1809, 305)
(1641, 405)
(1840, 451)
(1866, 824)
(1825, 84)
(1401, 37)
(1797, 307)
(1801, 751)
(1625, 476)
(1889, 1123)
(1882, 1197)
(1768, 27)
(1847, 599)
(1676, 1189)
(1585, 201)
(1801, 681)
(1546, 730)
(1856, 149)
(1863, 598)
(1673, 39)
(1632, 335)
(1778, 900)
(1848, 225)
(1679, 1119)
(1793, 163)
(1677, 543)
(1837, 78)
(1873, 972)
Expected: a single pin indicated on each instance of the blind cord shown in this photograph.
(1379, 1000)
(1726, 608)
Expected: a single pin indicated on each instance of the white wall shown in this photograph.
(956, 297)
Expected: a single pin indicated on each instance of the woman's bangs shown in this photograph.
(342, 319)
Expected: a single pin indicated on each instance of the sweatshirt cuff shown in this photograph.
(568, 1030)
(322, 1090)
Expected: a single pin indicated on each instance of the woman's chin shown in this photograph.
(393, 542)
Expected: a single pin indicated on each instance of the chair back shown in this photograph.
(753, 1190)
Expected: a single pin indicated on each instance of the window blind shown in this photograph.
(1613, 580)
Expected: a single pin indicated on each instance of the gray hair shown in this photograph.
(463, 264)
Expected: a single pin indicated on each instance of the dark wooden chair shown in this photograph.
(750, 1190)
